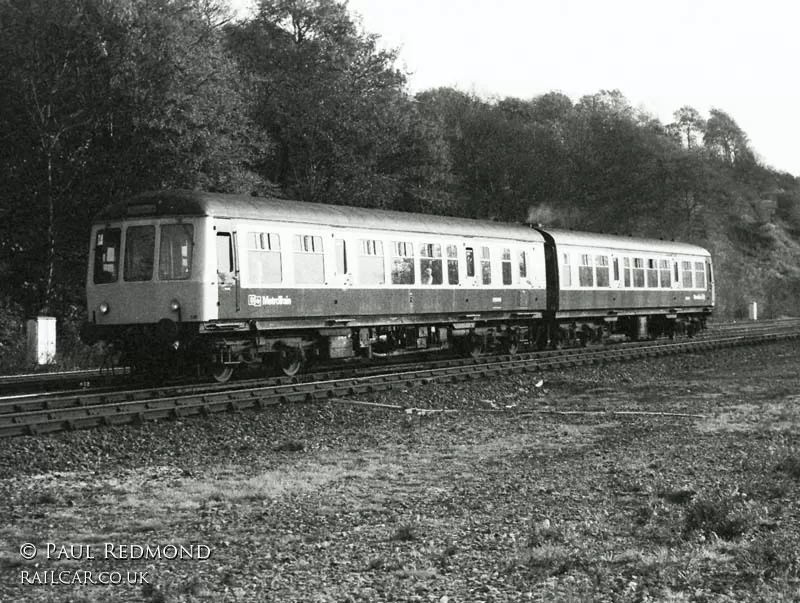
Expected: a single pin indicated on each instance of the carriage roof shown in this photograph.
(177, 203)
(622, 244)
(186, 203)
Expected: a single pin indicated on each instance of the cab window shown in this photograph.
(140, 244)
(106, 255)
(175, 252)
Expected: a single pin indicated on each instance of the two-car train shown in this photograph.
(190, 279)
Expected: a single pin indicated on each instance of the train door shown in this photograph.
(616, 274)
(343, 276)
(227, 274)
(710, 279)
(551, 272)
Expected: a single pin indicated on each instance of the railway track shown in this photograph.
(33, 415)
(75, 382)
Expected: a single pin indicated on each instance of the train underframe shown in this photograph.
(220, 349)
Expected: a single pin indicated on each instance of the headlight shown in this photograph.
(104, 308)
(174, 305)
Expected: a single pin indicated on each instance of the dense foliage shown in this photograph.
(104, 98)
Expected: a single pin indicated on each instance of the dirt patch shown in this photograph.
(668, 480)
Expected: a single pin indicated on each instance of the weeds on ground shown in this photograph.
(726, 514)
(405, 533)
(790, 465)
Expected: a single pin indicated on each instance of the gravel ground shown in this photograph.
(658, 480)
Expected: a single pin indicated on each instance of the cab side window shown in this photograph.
(106, 255)
(225, 268)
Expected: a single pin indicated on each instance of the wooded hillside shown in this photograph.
(105, 98)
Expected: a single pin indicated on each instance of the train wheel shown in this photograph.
(290, 361)
(222, 373)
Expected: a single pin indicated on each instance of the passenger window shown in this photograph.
(452, 264)
(309, 260)
(686, 274)
(470, 262)
(523, 265)
(638, 272)
(566, 271)
(106, 255)
(486, 266)
(616, 270)
(699, 275)
(371, 270)
(430, 263)
(652, 273)
(175, 252)
(663, 269)
(601, 270)
(140, 244)
(506, 266)
(403, 263)
(626, 268)
(585, 275)
(264, 260)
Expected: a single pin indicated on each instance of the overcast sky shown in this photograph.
(733, 55)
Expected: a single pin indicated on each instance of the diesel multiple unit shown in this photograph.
(189, 278)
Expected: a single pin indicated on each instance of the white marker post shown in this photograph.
(42, 340)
